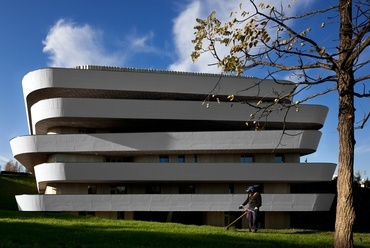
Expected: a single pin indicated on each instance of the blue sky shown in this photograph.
(152, 34)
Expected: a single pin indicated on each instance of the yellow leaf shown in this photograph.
(284, 42)
(232, 13)
(322, 51)
(230, 97)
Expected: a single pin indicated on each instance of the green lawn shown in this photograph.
(24, 229)
(13, 185)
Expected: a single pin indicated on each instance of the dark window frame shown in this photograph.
(186, 189)
(164, 159)
(181, 158)
(247, 158)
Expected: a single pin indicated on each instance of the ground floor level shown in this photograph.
(268, 220)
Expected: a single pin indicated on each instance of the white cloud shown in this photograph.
(364, 149)
(69, 45)
(4, 159)
(183, 34)
(140, 42)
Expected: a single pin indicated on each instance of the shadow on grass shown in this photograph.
(59, 230)
(39, 235)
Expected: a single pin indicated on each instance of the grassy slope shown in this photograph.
(26, 229)
(15, 185)
(22, 229)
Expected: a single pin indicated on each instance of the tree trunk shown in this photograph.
(345, 213)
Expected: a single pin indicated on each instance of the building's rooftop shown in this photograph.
(142, 70)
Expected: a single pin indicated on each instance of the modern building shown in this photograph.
(167, 146)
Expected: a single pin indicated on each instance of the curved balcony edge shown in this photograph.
(188, 172)
(31, 150)
(44, 112)
(141, 80)
(172, 202)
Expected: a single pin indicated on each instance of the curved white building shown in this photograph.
(139, 144)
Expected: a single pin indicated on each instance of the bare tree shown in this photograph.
(265, 38)
(13, 166)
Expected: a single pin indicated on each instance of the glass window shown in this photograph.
(279, 158)
(231, 188)
(181, 159)
(91, 189)
(187, 189)
(86, 213)
(195, 158)
(119, 159)
(118, 189)
(152, 189)
(246, 159)
(121, 215)
(164, 159)
(115, 160)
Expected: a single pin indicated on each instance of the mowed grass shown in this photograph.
(25, 229)
(13, 185)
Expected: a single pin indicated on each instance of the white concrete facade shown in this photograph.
(170, 202)
(138, 137)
